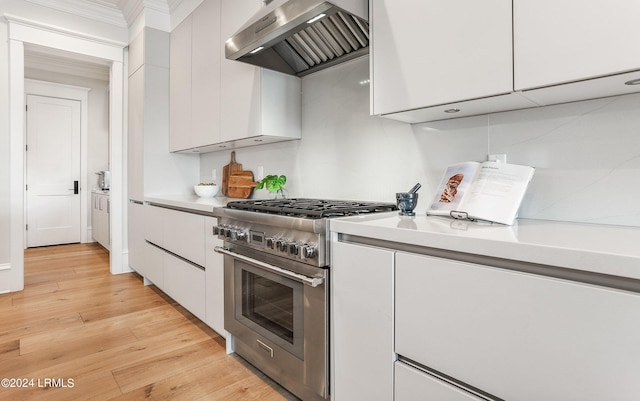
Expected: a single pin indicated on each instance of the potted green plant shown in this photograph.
(274, 184)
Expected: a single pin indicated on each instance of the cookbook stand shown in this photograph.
(459, 215)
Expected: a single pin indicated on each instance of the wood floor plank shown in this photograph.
(15, 328)
(9, 349)
(163, 366)
(62, 350)
(115, 338)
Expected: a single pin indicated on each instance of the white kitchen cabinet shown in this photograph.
(147, 108)
(174, 253)
(135, 235)
(221, 104)
(557, 42)
(563, 55)
(183, 234)
(195, 79)
(518, 336)
(151, 168)
(431, 56)
(362, 354)
(100, 223)
(153, 224)
(144, 258)
(152, 270)
(179, 232)
(259, 105)
(206, 45)
(412, 384)
(434, 60)
(180, 86)
(214, 280)
(185, 282)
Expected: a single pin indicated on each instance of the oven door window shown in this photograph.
(270, 305)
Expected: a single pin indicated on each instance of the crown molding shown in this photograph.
(120, 13)
(52, 63)
(97, 10)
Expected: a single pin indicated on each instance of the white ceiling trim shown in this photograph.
(120, 13)
(102, 11)
(57, 66)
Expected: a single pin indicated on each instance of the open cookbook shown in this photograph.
(489, 191)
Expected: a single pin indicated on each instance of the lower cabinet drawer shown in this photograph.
(412, 384)
(185, 283)
(518, 336)
(151, 266)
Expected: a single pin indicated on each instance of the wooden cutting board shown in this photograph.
(232, 167)
(241, 184)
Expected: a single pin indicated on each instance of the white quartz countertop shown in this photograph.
(188, 201)
(613, 250)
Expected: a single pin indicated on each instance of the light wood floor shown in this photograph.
(109, 337)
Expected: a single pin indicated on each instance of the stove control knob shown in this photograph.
(307, 251)
(294, 248)
(237, 234)
(220, 230)
(270, 242)
(282, 245)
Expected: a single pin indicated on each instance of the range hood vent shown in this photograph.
(298, 37)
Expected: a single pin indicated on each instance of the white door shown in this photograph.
(53, 171)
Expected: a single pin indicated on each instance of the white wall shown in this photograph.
(586, 154)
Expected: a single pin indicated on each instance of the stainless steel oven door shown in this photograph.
(276, 310)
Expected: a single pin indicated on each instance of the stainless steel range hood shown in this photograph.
(298, 37)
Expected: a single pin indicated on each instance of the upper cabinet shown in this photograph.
(220, 104)
(259, 105)
(151, 169)
(195, 79)
(432, 53)
(434, 60)
(566, 51)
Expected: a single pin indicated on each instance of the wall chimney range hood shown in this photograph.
(298, 37)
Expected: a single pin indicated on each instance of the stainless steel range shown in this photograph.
(276, 256)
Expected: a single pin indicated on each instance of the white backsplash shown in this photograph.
(586, 154)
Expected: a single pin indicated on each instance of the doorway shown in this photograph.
(22, 34)
(53, 171)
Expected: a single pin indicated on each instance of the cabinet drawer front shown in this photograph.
(413, 385)
(183, 234)
(151, 267)
(362, 322)
(186, 284)
(516, 335)
(153, 217)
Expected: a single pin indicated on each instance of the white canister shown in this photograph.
(104, 179)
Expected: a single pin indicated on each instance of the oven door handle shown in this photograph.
(301, 278)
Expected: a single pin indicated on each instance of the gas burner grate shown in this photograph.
(311, 208)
